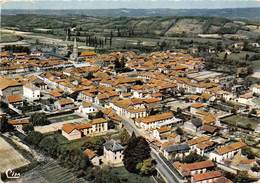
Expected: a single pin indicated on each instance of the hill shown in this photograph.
(234, 13)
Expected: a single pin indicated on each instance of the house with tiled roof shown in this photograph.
(164, 134)
(15, 100)
(129, 108)
(226, 152)
(86, 108)
(74, 131)
(157, 121)
(206, 177)
(193, 142)
(194, 107)
(205, 147)
(190, 169)
(92, 156)
(10, 87)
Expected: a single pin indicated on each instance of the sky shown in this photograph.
(136, 4)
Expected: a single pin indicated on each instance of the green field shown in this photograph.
(125, 176)
(7, 37)
(242, 121)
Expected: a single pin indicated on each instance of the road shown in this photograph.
(169, 175)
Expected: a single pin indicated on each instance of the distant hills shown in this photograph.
(232, 13)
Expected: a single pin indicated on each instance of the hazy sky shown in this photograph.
(108, 4)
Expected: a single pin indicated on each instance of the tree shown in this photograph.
(34, 137)
(147, 167)
(28, 128)
(136, 151)
(248, 152)
(124, 137)
(243, 177)
(99, 114)
(179, 131)
(95, 144)
(4, 125)
(39, 119)
(193, 157)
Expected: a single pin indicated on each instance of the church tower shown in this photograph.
(74, 54)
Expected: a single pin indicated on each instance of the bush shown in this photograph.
(193, 157)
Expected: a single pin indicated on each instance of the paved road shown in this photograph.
(167, 173)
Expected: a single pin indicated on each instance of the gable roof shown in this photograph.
(197, 140)
(196, 165)
(154, 118)
(68, 128)
(230, 147)
(7, 82)
(89, 153)
(206, 176)
(14, 98)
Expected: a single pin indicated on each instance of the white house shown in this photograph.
(226, 152)
(129, 108)
(189, 169)
(113, 154)
(31, 92)
(74, 131)
(156, 121)
(86, 108)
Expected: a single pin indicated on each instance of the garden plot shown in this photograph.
(9, 157)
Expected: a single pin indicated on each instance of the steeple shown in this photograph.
(74, 54)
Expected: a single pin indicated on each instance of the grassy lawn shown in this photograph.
(73, 144)
(242, 121)
(125, 176)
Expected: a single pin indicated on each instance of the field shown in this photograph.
(241, 121)
(8, 37)
(9, 157)
(50, 172)
(125, 176)
(241, 56)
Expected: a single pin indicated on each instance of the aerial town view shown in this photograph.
(130, 91)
